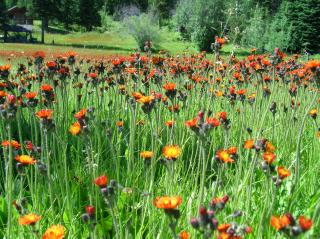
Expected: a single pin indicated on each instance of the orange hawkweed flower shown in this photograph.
(170, 86)
(5, 67)
(312, 65)
(269, 157)
(29, 219)
(30, 95)
(146, 154)
(54, 232)
(248, 144)
(168, 203)
(101, 181)
(81, 114)
(223, 227)
(221, 41)
(269, 147)
(119, 123)
(51, 64)
(232, 150)
(171, 152)
(93, 75)
(44, 114)
(39, 54)
(75, 128)
(46, 87)
(214, 122)
(283, 172)
(25, 159)
(224, 156)
(313, 113)
(147, 100)
(279, 223)
(137, 95)
(184, 235)
(305, 223)
(15, 144)
(192, 123)
(169, 123)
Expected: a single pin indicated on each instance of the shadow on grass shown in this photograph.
(96, 47)
(57, 31)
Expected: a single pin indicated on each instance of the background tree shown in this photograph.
(2, 15)
(89, 14)
(304, 16)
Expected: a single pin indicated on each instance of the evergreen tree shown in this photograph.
(304, 16)
(2, 13)
(68, 12)
(89, 14)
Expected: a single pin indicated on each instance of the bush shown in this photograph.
(279, 31)
(254, 33)
(143, 28)
(200, 21)
(107, 22)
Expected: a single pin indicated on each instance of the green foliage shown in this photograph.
(143, 28)
(304, 16)
(89, 14)
(253, 35)
(279, 30)
(200, 20)
(2, 15)
(107, 22)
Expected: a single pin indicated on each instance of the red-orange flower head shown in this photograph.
(81, 114)
(101, 181)
(44, 114)
(305, 223)
(167, 203)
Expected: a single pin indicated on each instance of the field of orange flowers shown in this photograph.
(159, 146)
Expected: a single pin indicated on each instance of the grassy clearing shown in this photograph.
(109, 137)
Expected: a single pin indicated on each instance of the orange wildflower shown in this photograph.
(283, 172)
(192, 123)
(214, 122)
(119, 123)
(54, 232)
(25, 159)
(81, 114)
(46, 87)
(169, 123)
(75, 128)
(305, 223)
(167, 202)
(170, 86)
(279, 223)
(147, 100)
(44, 114)
(249, 144)
(269, 157)
(15, 144)
(146, 154)
(184, 235)
(101, 181)
(313, 113)
(137, 95)
(29, 219)
(224, 156)
(171, 152)
(223, 227)
(30, 95)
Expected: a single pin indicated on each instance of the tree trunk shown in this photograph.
(42, 30)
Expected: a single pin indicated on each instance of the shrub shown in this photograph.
(279, 31)
(254, 33)
(143, 28)
(201, 20)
